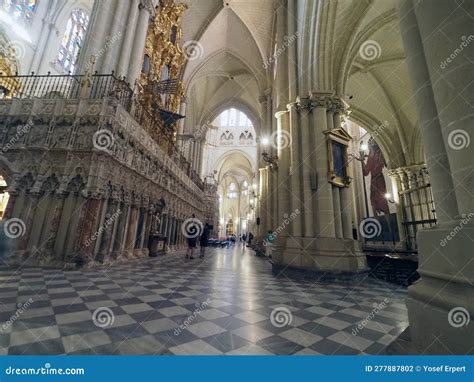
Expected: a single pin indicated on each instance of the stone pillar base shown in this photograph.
(441, 305)
(320, 254)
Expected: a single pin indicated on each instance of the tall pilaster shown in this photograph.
(126, 49)
(324, 203)
(431, 33)
(326, 243)
(304, 108)
(101, 19)
(114, 38)
(136, 59)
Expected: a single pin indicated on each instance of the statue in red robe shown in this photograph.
(378, 188)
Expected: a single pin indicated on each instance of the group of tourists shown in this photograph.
(203, 233)
(202, 236)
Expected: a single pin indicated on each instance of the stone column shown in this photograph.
(136, 59)
(165, 226)
(108, 228)
(283, 135)
(337, 211)
(95, 40)
(122, 69)
(324, 202)
(131, 231)
(43, 42)
(172, 230)
(304, 107)
(55, 222)
(294, 171)
(346, 212)
(344, 192)
(332, 105)
(441, 306)
(169, 229)
(124, 230)
(103, 217)
(145, 230)
(87, 226)
(115, 229)
(264, 205)
(28, 215)
(175, 232)
(115, 37)
(430, 126)
(397, 187)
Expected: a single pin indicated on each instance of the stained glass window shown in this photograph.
(20, 9)
(73, 39)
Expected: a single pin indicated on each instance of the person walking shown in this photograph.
(250, 239)
(204, 240)
(193, 232)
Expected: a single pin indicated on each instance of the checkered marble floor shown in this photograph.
(228, 303)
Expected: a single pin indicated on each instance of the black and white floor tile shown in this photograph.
(228, 303)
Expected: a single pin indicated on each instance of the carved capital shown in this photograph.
(147, 5)
(303, 104)
(337, 105)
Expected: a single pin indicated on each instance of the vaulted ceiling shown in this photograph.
(232, 39)
(366, 62)
(359, 54)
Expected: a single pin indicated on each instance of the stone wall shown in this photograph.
(88, 184)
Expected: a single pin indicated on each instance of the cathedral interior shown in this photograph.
(203, 177)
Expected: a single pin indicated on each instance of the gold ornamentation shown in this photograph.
(162, 50)
(8, 67)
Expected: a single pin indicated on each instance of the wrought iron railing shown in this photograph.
(49, 86)
(96, 86)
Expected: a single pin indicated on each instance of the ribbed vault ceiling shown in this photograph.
(234, 39)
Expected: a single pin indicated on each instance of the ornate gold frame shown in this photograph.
(339, 136)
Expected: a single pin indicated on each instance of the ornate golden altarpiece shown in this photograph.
(8, 68)
(160, 88)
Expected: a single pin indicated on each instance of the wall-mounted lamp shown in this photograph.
(271, 160)
(363, 153)
(388, 196)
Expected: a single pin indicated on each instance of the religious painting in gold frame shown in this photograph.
(338, 157)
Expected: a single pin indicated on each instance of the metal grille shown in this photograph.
(417, 205)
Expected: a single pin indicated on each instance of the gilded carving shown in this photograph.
(163, 60)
